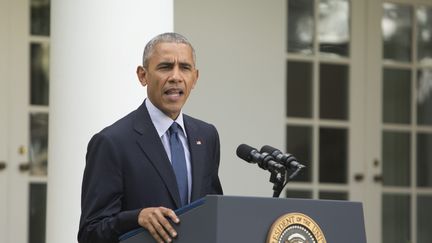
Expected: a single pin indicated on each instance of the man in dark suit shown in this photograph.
(153, 160)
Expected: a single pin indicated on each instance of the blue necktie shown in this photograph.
(178, 161)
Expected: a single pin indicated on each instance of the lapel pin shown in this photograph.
(198, 142)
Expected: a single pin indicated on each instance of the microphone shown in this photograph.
(264, 160)
(288, 160)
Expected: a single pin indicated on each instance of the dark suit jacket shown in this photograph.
(127, 169)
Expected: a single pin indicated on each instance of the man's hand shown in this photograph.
(155, 221)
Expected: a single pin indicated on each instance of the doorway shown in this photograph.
(359, 109)
(24, 121)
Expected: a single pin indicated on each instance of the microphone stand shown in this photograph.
(294, 174)
(279, 182)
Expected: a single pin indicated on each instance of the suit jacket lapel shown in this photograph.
(150, 143)
(197, 153)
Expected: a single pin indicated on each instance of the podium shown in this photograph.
(226, 219)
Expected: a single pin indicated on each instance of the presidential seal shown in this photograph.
(295, 228)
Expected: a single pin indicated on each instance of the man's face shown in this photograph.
(170, 77)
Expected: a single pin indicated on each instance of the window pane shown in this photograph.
(38, 144)
(424, 34)
(39, 78)
(333, 27)
(396, 218)
(333, 155)
(396, 28)
(396, 96)
(40, 17)
(299, 144)
(334, 91)
(333, 195)
(300, 26)
(424, 97)
(37, 213)
(299, 89)
(298, 194)
(424, 216)
(396, 159)
(424, 160)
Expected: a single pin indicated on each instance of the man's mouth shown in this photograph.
(174, 93)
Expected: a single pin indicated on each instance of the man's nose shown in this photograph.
(176, 75)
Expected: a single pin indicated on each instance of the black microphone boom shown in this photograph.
(288, 160)
(264, 160)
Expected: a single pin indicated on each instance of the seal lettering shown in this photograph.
(295, 227)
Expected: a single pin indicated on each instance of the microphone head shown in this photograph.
(244, 152)
(269, 149)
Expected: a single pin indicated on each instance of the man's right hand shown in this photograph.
(155, 221)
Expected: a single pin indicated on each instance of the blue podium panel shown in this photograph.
(225, 219)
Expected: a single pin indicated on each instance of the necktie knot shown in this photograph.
(175, 128)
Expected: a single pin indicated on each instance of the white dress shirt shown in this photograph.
(162, 123)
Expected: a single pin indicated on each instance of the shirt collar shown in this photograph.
(161, 121)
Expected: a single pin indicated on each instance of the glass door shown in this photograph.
(38, 118)
(359, 109)
(37, 167)
(26, 88)
(325, 90)
(406, 122)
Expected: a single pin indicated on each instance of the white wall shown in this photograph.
(240, 52)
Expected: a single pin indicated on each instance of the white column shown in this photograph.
(95, 48)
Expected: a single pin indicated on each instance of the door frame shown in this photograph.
(4, 99)
(373, 162)
(17, 83)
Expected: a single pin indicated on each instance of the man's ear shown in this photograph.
(141, 74)
(196, 78)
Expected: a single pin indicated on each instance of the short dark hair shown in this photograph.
(169, 37)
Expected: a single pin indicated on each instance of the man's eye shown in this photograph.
(164, 67)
